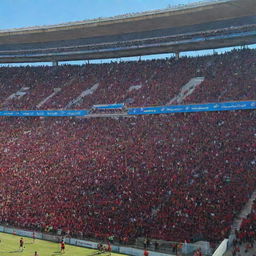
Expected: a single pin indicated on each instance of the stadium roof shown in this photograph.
(70, 41)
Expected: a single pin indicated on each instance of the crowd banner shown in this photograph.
(45, 113)
(223, 106)
(109, 106)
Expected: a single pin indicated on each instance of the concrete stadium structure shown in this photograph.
(205, 25)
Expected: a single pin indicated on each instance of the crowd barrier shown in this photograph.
(189, 248)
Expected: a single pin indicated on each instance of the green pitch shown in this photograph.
(9, 246)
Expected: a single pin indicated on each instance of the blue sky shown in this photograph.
(24, 13)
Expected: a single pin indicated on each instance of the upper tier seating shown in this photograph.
(227, 77)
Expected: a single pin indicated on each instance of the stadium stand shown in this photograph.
(227, 77)
(172, 177)
(195, 32)
(129, 181)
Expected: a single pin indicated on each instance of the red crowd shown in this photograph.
(172, 177)
(227, 77)
(177, 178)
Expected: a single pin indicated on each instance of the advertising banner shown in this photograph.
(45, 113)
(109, 106)
(223, 106)
(83, 243)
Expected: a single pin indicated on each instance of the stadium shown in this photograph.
(138, 157)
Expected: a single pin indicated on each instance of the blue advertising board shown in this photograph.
(46, 113)
(109, 106)
(223, 106)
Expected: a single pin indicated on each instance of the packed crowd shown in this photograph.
(230, 76)
(172, 177)
(177, 178)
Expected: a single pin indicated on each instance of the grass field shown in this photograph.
(9, 246)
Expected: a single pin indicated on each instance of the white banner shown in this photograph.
(83, 243)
